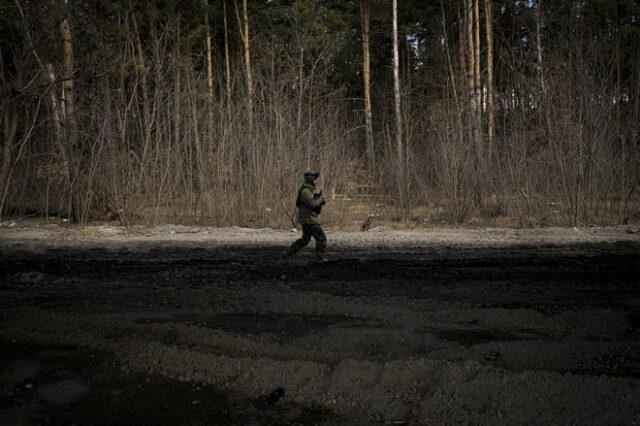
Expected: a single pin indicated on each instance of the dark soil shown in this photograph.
(511, 310)
(107, 396)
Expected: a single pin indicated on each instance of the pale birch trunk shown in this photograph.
(400, 164)
(209, 74)
(462, 53)
(366, 73)
(477, 83)
(490, 90)
(243, 24)
(539, 63)
(227, 61)
(476, 68)
(471, 61)
(177, 86)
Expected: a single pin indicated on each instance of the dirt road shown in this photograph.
(424, 327)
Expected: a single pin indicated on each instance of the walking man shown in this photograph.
(309, 203)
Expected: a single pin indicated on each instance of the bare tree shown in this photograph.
(71, 120)
(210, 111)
(227, 64)
(366, 75)
(10, 127)
(177, 86)
(488, 13)
(243, 25)
(476, 56)
(400, 158)
(473, 80)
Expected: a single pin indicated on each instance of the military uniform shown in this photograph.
(309, 205)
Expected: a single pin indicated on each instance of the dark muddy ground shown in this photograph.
(63, 385)
(417, 335)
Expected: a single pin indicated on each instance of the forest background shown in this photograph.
(522, 113)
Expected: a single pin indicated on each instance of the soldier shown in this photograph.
(309, 203)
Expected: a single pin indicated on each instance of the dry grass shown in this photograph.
(349, 214)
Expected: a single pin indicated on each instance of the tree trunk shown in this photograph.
(476, 69)
(473, 73)
(544, 108)
(209, 74)
(227, 64)
(490, 90)
(475, 103)
(400, 164)
(366, 72)
(301, 90)
(539, 64)
(10, 128)
(141, 73)
(54, 104)
(462, 53)
(141, 69)
(71, 121)
(177, 87)
(244, 35)
(471, 60)
(620, 136)
(477, 84)
(636, 100)
(452, 77)
(56, 118)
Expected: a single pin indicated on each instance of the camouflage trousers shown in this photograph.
(309, 231)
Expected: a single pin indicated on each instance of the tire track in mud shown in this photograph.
(485, 335)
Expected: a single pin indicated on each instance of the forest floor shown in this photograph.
(194, 325)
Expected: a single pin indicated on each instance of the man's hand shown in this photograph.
(318, 196)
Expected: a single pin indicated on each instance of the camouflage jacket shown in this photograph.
(308, 205)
